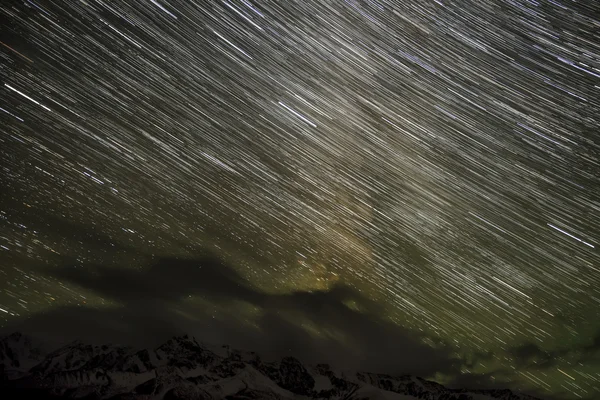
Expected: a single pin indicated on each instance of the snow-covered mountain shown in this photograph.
(18, 355)
(183, 369)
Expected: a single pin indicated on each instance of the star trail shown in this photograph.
(440, 157)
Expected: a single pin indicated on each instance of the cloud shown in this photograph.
(489, 380)
(154, 307)
(595, 345)
(531, 355)
(497, 380)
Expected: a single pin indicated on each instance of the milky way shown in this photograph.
(441, 157)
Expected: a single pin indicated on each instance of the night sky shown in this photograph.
(246, 171)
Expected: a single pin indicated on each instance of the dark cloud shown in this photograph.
(472, 359)
(530, 354)
(153, 308)
(168, 279)
(595, 345)
(495, 380)
(489, 380)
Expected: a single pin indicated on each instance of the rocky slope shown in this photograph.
(183, 369)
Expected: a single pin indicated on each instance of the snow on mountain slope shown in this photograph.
(183, 368)
(17, 355)
(77, 355)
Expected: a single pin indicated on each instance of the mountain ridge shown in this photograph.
(183, 368)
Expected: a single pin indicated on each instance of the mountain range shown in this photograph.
(183, 369)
